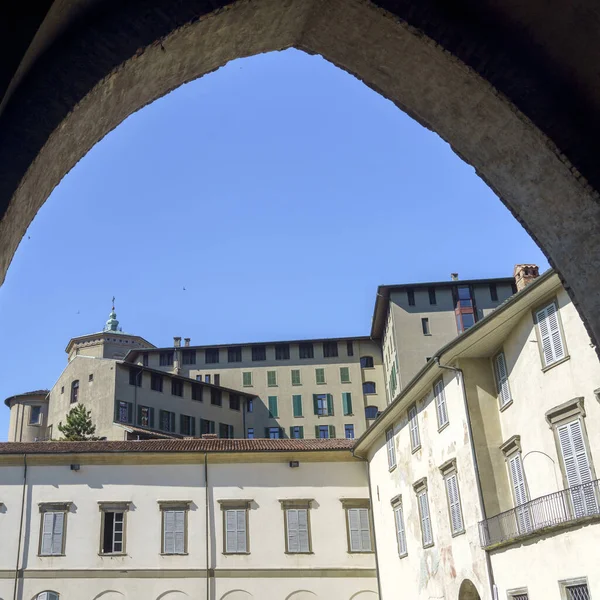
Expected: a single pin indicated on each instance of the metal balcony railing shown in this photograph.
(564, 507)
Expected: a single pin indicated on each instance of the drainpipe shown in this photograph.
(20, 527)
(461, 380)
(207, 526)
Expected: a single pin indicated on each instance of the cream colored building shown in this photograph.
(185, 519)
(484, 463)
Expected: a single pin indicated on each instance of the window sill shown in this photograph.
(349, 415)
(555, 364)
(416, 449)
(393, 468)
(298, 416)
(401, 556)
(428, 546)
(505, 406)
(110, 555)
(174, 554)
(51, 555)
(235, 553)
(461, 532)
(295, 553)
(273, 385)
(34, 424)
(321, 383)
(361, 552)
(440, 429)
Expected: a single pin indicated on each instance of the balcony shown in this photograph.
(543, 514)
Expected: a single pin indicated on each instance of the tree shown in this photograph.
(79, 426)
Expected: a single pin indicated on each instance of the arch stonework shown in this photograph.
(237, 595)
(302, 595)
(109, 595)
(454, 76)
(172, 595)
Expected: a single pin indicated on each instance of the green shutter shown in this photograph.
(317, 432)
(273, 412)
(347, 403)
(117, 411)
(295, 377)
(316, 403)
(344, 374)
(247, 378)
(271, 378)
(332, 431)
(301, 428)
(151, 418)
(329, 404)
(320, 375)
(129, 412)
(266, 432)
(297, 405)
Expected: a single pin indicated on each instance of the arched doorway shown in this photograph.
(468, 591)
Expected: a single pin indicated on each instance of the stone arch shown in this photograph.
(109, 595)
(237, 595)
(301, 595)
(447, 72)
(365, 595)
(468, 591)
(172, 595)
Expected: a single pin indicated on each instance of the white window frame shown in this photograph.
(48, 595)
(177, 509)
(390, 448)
(413, 425)
(420, 488)
(517, 594)
(501, 377)
(239, 508)
(360, 510)
(518, 483)
(295, 542)
(116, 508)
(575, 581)
(400, 526)
(441, 406)
(54, 516)
(455, 514)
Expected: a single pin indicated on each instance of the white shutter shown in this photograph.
(303, 542)
(169, 532)
(425, 519)
(400, 532)
(391, 451)
(577, 468)
(454, 502)
(47, 529)
(297, 529)
(414, 427)
(230, 531)
(553, 346)
(354, 528)
(440, 402)
(241, 530)
(365, 530)
(502, 379)
(57, 533)
(520, 492)
(179, 532)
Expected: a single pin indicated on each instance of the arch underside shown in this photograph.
(123, 63)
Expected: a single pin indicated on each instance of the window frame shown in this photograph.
(272, 378)
(236, 505)
(176, 385)
(259, 353)
(349, 348)
(413, 425)
(53, 508)
(287, 505)
(367, 362)
(282, 352)
(390, 447)
(432, 296)
(425, 326)
(572, 582)
(449, 471)
(166, 506)
(74, 398)
(349, 504)
(544, 306)
(188, 357)
(420, 488)
(330, 349)
(517, 593)
(346, 430)
(246, 375)
(397, 506)
(39, 419)
(306, 350)
(154, 378)
(501, 404)
(212, 356)
(320, 371)
(445, 424)
(113, 507)
(299, 380)
(234, 354)
(369, 393)
(166, 359)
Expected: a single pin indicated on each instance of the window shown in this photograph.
(493, 292)
(235, 526)
(464, 296)
(206, 426)
(62, 389)
(423, 501)
(400, 529)
(323, 404)
(176, 387)
(324, 432)
(550, 337)
(358, 523)
(432, 298)
(35, 414)
(217, 379)
(366, 362)
(167, 421)
(145, 359)
(391, 448)
(52, 530)
(187, 425)
(320, 376)
(188, 357)
(297, 526)
(247, 379)
(440, 403)
(306, 350)
(413, 422)
(250, 433)
(272, 378)
(211, 356)
(196, 392)
(113, 528)
(273, 433)
(166, 359)
(250, 405)
(282, 351)
(296, 377)
(347, 403)
(234, 354)
(344, 374)
(330, 349)
(410, 294)
(297, 432)
(174, 527)
(216, 397)
(518, 595)
(349, 349)
(349, 432)
(575, 590)
(225, 431)
(234, 401)
(297, 405)
(207, 379)
(123, 412)
(448, 471)
(74, 391)
(156, 382)
(369, 387)
(273, 409)
(520, 495)
(393, 382)
(371, 412)
(145, 416)
(425, 326)
(47, 596)
(90, 377)
(502, 379)
(259, 353)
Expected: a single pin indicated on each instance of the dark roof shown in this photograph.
(151, 433)
(382, 298)
(34, 393)
(185, 445)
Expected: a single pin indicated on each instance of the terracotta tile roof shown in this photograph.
(184, 445)
(34, 393)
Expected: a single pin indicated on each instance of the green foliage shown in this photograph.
(79, 426)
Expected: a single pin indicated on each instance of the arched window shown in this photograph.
(371, 412)
(369, 387)
(47, 596)
(366, 362)
(75, 391)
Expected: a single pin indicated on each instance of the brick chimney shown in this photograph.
(209, 436)
(454, 276)
(525, 274)
(177, 342)
(186, 342)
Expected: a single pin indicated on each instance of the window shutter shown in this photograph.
(273, 412)
(129, 412)
(317, 436)
(520, 493)
(117, 410)
(502, 379)
(454, 502)
(365, 531)
(425, 520)
(440, 400)
(400, 532)
(552, 343)
(193, 426)
(181, 423)
(47, 529)
(391, 450)
(179, 531)
(332, 431)
(297, 405)
(329, 404)
(303, 541)
(151, 417)
(414, 427)
(292, 530)
(241, 530)
(301, 432)
(347, 403)
(344, 375)
(169, 533)
(267, 432)
(316, 403)
(354, 528)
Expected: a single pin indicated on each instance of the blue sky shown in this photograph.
(278, 191)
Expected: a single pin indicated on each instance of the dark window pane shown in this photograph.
(217, 379)
(282, 352)
(349, 349)
(196, 392)
(366, 362)
(156, 382)
(234, 402)
(468, 320)
(493, 292)
(250, 433)
(432, 298)
(135, 377)
(176, 387)
(75, 391)
(259, 353)
(207, 379)
(371, 412)
(410, 293)
(216, 397)
(211, 355)
(330, 349)
(145, 359)
(369, 387)
(188, 357)
(306, 350)
(166, 359)
(425, 326)
(234, 354)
